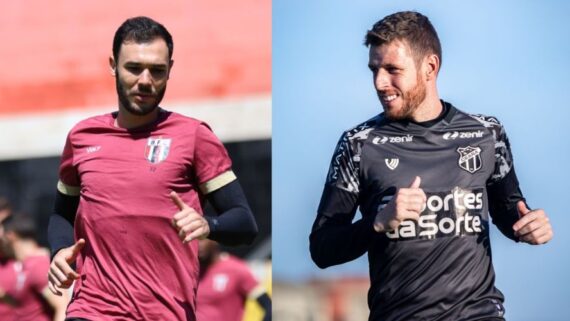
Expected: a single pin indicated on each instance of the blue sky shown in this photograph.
(509, 59)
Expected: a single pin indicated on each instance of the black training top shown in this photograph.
(438, 268)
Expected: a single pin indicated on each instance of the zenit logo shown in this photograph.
(463, 135)
(392, 139)
(457, 213)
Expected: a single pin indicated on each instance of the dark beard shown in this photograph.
(412, 100)
(124, 100)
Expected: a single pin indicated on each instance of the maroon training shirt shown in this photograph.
(7, 284)
(134, 266)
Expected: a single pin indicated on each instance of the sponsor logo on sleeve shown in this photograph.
(92, 149)
(157, 149)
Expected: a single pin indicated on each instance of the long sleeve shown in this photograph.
(60, 226)
(235, 223)
(503, 187)
(335, 239)
(503, 198)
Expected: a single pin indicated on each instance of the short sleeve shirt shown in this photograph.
(134, 266)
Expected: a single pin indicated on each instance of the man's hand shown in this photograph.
(61, 275)
(533, 227)
(407, 203)
(189, 224)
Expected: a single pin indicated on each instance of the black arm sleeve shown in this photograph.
(334, 238)
(265, 302)
(235, 223)
(60, 226)
(503, 198)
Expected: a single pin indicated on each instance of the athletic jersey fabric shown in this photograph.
(438, 268)
(7, 284)
(134, 266)
(223, 290)
(31, 283)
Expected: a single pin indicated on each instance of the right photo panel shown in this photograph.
(419, 160)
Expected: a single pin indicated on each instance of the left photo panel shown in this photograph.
(135, 164)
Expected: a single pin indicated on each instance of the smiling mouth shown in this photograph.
(388, 98)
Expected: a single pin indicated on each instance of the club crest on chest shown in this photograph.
(157, 149)
(470, 158)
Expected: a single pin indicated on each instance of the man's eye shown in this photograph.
(158, 72)
(134, 69)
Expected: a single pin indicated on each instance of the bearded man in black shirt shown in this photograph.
(427, 178)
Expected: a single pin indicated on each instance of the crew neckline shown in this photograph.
(429, 123)
(160, 117)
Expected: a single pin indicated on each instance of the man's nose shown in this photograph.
(381, 79)
(145, 78)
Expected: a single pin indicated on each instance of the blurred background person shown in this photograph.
(7, 273)
(226, 282)
(5, 208)
(30, 294)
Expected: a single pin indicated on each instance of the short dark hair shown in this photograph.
(23, 225)
(409, 26)
(141, 30)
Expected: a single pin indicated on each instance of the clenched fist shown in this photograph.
(533, 227)
(407, 203)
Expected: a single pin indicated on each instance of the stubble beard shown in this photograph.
(127, 105)
(412, 99)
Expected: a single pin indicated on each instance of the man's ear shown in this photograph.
(432, 66)
(112, 66)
